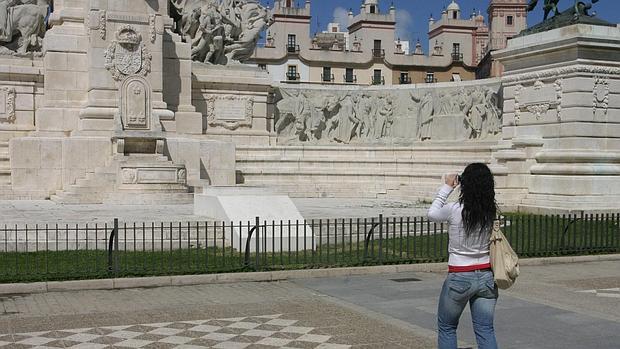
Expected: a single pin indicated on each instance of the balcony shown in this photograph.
(293, 76)
(327, 77)
(351, 79)
(378, 52)
(378, 80)
(457, 57)
(405, 80)
(430, 80)
(292, 48)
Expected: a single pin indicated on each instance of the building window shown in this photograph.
(510, 20)
(262, 66)
(456, 77)
(377, 51)
(348, 76)
(404, 78)
(454, 15)
(457, 56)
(373, 9)
(327, 74)
(289, 3)
(377, 78)
(291, 73)
(292, 43)
(334, 29)
(430, 77)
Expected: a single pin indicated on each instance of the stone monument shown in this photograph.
(140, 101)
(561, 113)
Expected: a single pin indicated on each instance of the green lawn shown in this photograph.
(530, 236)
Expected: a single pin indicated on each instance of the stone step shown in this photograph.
(70, 198)
(122, 198)
(344, 160)
(369, 172)
(96, 181)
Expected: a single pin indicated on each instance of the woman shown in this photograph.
(470, 278)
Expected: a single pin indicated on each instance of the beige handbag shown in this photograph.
(504, 260)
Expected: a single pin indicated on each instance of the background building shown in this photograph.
(368, 51)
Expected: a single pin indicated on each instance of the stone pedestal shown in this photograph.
(561, 122)
(236, 101)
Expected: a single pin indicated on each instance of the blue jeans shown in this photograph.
(477, 288)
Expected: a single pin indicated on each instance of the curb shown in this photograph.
(187, 280)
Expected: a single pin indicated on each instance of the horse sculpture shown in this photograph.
(580, 7)
(29, 22)
(24, 19)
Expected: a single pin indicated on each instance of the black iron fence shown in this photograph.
(86, 251)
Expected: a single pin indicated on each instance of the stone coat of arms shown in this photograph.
(127, 55)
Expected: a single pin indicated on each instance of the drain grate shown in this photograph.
(405, 280)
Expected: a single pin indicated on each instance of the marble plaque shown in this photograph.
(230, 111)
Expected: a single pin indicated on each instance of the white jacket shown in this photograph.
(463, 250)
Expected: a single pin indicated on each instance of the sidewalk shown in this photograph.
(564, 306)
(241, 315)
(574, 305)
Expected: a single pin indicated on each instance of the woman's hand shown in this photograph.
(452, 180)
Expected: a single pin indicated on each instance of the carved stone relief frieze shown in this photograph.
(230, 111)
(538, 99)
(127, 55)
(388, 116)
(7, 104)
(103, 20)
(153, 28)
(600, 94)
(129, 176)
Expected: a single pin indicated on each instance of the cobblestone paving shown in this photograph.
(240, 315)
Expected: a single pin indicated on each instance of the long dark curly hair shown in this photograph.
(477, 197)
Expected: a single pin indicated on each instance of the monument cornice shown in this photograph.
(551, 73)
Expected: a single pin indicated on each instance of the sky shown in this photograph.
(412, 15)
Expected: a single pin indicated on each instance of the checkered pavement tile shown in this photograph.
(230, 333)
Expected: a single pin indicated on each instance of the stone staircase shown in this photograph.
(108, 184)
(411, 173)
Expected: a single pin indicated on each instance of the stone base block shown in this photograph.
(243, 205)
(189, 123)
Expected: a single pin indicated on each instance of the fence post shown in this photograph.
(113, 249)
(381, 238)
(257, 234)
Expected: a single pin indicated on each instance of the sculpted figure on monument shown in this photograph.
(220, 31)
(579, 8)
(22, 25)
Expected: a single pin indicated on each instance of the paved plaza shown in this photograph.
(45, 211)
(551, 306)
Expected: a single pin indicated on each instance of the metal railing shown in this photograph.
(430, 80)
(90, 251)
(327, 77)
(351, 79)
(293, 77)
(378, 52)
(378, 80)
(405, 80)
(457, 57)
(292, 48)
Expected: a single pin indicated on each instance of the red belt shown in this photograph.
(468, 268)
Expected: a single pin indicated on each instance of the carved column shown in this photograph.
(66, 69)
(125, 40)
